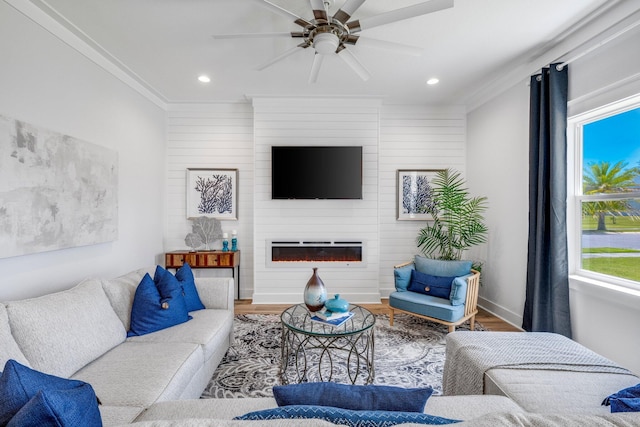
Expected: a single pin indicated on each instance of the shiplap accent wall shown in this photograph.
(241, 135)
(330, 121)
(412, 137)
(211, 136)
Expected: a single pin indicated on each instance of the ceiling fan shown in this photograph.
(331, 34)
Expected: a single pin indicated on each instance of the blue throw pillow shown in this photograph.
(430, 285)
(357, 397)
(442, 268)
(76, 407)
(186, 279)
(626, 400)
(458, 295)
(152, 311)
(402, 277)
(346, 417)
(19, 384)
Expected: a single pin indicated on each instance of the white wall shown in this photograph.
(211, 136)
(326, 121)
(394, 137)
(498, 153)
(412, 137)
(603, 317)
(47, 83)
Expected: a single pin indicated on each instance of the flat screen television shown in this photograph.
(316, 172)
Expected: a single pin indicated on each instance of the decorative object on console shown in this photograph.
(315, 294)
(194, 241)
(234, 241)
(415, 194)
(337, 304)
(225, 242)
(204, 231)
(212, 193)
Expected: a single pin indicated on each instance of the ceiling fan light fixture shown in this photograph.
(325, 43)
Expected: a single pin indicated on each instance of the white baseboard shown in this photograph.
(508, 316)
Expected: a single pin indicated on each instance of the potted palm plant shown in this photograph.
(458, 221)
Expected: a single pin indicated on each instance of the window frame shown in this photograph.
(575, 159)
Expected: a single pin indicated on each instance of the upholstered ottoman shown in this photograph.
(541, 372)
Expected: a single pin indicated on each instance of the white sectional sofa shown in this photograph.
(81, 333)
(155, 380)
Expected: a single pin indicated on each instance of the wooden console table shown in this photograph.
(206, 259)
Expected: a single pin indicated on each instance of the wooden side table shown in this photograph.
(206, 259)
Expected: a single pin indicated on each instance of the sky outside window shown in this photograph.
(613, 139)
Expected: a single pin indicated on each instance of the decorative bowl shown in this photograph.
(337, 304)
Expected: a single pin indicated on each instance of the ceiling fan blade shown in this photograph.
(347, 10)
(251, 35)
(319, 11)
(282, 56)
(315, 67)
(284, 12)
(399, 14)
(355, 65)
(390, 46)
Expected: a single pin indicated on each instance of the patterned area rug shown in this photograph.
(409, 354)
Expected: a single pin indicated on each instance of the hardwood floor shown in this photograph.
(488, 320)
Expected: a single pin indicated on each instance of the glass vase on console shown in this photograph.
(315, 294)
(234, 241)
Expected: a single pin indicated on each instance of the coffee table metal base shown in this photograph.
(335, 356)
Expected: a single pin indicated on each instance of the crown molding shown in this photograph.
(41, 13)
(588, 31)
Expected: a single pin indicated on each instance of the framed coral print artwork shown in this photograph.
(415, 194)
(212, 193)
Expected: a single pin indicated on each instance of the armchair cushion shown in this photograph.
(430, 285)
(442, 268)
(426, 305)
(458, 295)
(402, 276)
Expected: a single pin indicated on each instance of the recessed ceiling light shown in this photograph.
(432, 81)
(204, 79)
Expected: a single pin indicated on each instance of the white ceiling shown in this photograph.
(166, 44)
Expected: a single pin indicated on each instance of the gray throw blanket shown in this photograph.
(470, 354)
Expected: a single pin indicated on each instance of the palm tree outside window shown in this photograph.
(609, 197)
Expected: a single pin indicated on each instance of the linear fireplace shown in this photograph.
(335, 253)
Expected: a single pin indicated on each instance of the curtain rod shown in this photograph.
(598, 45)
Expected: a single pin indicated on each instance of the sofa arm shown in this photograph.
(216, 292)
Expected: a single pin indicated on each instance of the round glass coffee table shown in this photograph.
(313, 351)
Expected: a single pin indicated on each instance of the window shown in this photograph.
(607, 193)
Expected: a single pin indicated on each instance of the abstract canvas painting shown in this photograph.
(212, 193)
(415, 194)
(56, 191)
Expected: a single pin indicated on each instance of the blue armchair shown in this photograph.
(441, 291)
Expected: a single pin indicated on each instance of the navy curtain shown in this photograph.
(546, 306)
